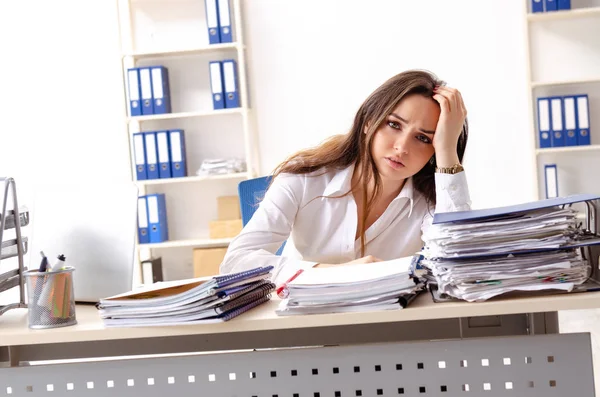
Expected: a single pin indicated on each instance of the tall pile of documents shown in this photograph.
(376, 286)
(477, 255)
(200, 300)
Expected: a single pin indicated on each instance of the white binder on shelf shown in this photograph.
(551, 177)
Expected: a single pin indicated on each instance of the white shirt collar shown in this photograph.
(342, 181)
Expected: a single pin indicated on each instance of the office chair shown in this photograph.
(251, 192)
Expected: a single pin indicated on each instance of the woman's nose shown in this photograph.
(401, 144)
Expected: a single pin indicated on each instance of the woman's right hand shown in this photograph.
(364, 259)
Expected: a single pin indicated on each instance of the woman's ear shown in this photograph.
(366, 129)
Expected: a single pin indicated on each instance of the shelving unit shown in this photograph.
(563, 58)
(175, 34)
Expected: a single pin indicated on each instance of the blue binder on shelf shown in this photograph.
(570, 113)
(583, 120)
(143, 231)
(557, 136)
(146, 91)
(161, 92)
(151, 155)
(551, 5)
(551, 179)
(230, 84)
(537, 5)
(157, 217)
(133, 82)
(139, 153)
(164, 155)
(177, 147)
(225, 21)
(216, 84)
(212, 21)
(544, 122)
(564, 4)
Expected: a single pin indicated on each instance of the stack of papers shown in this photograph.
(476, 255)
(200, 300)
(364, 287)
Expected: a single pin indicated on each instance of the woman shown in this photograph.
(367, 194)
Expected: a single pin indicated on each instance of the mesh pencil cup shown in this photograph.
(50, 298)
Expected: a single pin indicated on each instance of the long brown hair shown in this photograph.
(354, 147)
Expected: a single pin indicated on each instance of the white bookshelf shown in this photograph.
(175, 35)
(563, 58)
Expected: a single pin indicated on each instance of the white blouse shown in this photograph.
(322, 230)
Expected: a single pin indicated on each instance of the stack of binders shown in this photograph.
(149, 90)
(224, 84)
(218, 21)
(152, 219)
(159, 154)
(563, 121)
(480, 254)
(201, 300)
(550, 5)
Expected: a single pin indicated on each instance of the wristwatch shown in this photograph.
(455, 169)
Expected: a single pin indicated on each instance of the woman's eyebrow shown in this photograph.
(406, 122)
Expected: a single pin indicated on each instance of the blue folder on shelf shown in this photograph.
(216, 84)
(146, 91)
(230, 84)
(226, 35)
(551, 5)
(161, 92)
(157, 218)
(537, 5)
(151, 155)
(557, 136)
(212, 21)
(143, 231)
(133, 82)
(570, 113)
(177, 154)
(139, 152)
(164, 155)
(543, 107)
(583, 120)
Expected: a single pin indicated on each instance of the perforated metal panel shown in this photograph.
(548, 365)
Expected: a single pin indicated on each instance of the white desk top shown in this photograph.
(14, 330)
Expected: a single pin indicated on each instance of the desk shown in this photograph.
(377, 340)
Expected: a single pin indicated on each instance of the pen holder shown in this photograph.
(50, 298)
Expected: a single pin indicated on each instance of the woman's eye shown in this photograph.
(423, 138)
(394, 125)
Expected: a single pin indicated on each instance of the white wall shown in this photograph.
(313, 62)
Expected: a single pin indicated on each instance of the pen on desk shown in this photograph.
(283, 291)
(44, 264)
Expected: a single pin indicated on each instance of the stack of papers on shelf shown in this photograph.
(476, 255)
(364, 287)
(200, 300)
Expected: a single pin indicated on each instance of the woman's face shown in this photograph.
(403, 143)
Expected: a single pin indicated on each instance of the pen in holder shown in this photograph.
(50, 298)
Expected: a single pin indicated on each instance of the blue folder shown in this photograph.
(477, 215)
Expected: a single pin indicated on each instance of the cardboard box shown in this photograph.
(207, 261)
(225, 229)
(228, 208)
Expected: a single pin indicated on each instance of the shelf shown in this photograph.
(565, 14)
(568, 149)
(190, 179)
(183, 115)
(183, 52)
(196, 243)
(564, 82)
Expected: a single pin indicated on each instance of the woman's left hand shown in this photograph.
(452, 118)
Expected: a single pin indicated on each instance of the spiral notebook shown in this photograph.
(178, 292)
(189, 301)
(213, 315)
